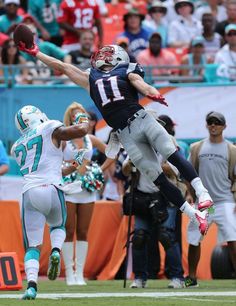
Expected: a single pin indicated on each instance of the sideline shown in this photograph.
(56, 296)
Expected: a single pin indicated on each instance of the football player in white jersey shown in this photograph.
(39, 154)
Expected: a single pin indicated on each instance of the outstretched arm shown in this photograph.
(76, 75)
(146, 89)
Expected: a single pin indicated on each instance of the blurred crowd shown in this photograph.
(174, 39)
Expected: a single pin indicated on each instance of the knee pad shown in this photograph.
(166, 236)
(139, 239)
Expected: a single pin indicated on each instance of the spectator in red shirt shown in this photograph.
(155, 56)
(76, 16)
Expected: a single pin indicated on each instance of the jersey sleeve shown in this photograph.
(135, 68)
(64, 12)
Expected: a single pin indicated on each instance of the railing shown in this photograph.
(42, 75)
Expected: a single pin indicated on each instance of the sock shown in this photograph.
(32, 284)
(57, 236)
(55, 249)
(169, 190)
(188, 209)
(31, 262)
(184, 166)
(198, 186)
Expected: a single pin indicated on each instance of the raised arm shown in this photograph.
(76, 75)
(146, 89)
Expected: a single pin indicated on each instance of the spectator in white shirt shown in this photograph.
(226, 56)
(185, 27)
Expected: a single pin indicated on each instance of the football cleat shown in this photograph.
(54, 265)
(205, 202)
(201, 219)
(30, 294)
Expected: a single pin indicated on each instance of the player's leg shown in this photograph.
(145, 159)
(84, 215)
(33, 222)
(140, 252)
(68, 245)
(167, 237)
(56, 219)
(194, 252)
(161, 141)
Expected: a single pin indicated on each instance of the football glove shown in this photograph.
(158, 98)
(32, 51)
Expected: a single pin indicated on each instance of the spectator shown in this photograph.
(185, 27)
(231, 17)
(45, 12)
(82, 56)
(76, 16)
(170, 127)
(137, 35)
(214, 159)
(124, 43)
(213, 7)
(156, 56)
(10, 55)
(195, 57)
(226, 56)
(212, 40)
(10, 19)
(4, 160)
(154, 217)
(102, 8)
(155, 22)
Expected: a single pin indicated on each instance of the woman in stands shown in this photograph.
(10, 55)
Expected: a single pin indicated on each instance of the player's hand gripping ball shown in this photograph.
(23, 34)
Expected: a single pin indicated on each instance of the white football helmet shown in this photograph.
(109, 55)
(29, 117)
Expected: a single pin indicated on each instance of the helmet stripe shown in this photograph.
(20, 120)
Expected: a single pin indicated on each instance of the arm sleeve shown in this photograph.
(135, 68)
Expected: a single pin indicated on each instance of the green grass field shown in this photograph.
(107, 293)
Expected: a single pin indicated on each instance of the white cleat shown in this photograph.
(205, 202)
(201, 219)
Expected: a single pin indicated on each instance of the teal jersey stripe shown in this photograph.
(63, 210)
(26, 242)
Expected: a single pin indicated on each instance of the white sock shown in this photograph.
(198, 186)
(68, 255)
(57, 237)
(188, 209)
(32, 270)
(81, 254)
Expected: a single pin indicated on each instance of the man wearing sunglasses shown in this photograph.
(226, 56)
(214, 158)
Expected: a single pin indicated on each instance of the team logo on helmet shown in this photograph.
(110, 55)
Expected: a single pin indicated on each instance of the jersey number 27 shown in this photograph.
(36, 142)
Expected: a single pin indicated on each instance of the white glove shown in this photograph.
(113, 146)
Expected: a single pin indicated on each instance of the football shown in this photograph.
(24, 34)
